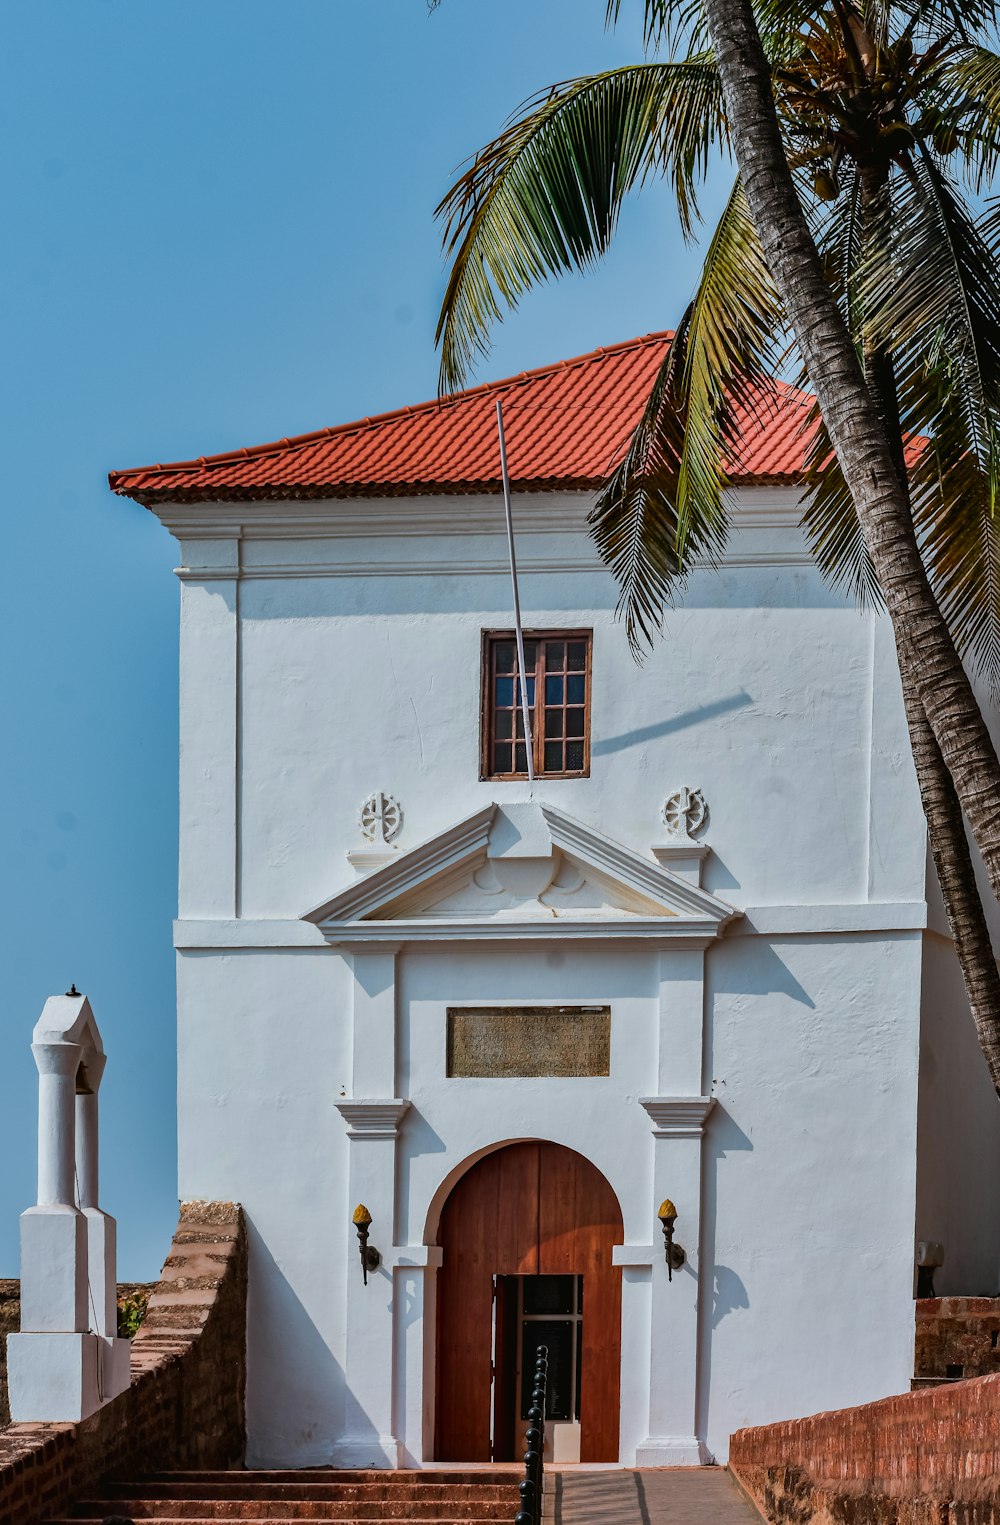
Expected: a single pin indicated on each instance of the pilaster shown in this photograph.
(209, 865)
(369, 1438)
(678, 1126)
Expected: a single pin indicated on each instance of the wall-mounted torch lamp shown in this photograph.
(370, 1257)
(674, 1252)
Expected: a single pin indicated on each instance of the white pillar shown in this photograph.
(54, 1232)
(101, 1227)
(65, 1362)
(57, 1065)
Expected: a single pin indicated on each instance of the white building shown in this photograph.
(698, 959)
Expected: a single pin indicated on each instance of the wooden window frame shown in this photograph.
(486, 712)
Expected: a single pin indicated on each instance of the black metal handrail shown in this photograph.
(532, 1484)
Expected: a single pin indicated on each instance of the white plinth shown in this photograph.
(60, 1378)
(368, 1451)
(672, 1451)
(101, 1257)
(54, 1295)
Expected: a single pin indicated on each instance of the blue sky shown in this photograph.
(218, 230)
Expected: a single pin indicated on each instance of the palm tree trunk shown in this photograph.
(957, 878)
(945, 825)
(928, 662)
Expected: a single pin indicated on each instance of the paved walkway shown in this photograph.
(649, 1496)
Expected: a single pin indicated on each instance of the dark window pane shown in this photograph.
(579, 1294)
(554, 723)
(530, 655)
(548, 1294)
(555, 655)
(518, 715)
(505, 656)
(554, 690)
(577, 653)
(574, 756)
(503, 725)
(501, 758)
(574, 722)
(558, 1337)
(553, 757)
(576, 688)
(530, 686)
(522, 759)
(504, 692)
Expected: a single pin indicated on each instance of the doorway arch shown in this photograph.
(529, 1209)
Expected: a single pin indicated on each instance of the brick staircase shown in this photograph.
(347, 1498)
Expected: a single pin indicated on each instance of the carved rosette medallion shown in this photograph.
(685, 813)
(380, 817)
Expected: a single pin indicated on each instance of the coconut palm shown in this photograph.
(859, 130)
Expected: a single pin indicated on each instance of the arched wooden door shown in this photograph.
(531, 1209)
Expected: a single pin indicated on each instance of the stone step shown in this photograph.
(429, 1491)
(317, 1517)
(252, 1507)
(487, 1473)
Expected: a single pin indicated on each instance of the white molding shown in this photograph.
(404, 1257)
(819, 920)
(665, 929)
(833, 918)
(377, 1117)
(677, 1116)
(364, 860)
(635, 1254)
(541, 512)
(461, 567)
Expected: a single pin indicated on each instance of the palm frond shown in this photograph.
(830, 521)
(545, 196)
(663, 507)
(971, 98)
(934, 304)
(666, 22)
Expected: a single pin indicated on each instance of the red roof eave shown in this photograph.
(566, 426)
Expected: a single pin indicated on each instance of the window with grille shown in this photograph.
(557, 680)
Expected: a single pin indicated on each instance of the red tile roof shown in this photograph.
(566, 426)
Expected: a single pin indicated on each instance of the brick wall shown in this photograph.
(925, 1458)
(185, 1406)
(956, 1337)
(10, 1322)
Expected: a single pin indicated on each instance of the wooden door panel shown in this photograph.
(517, 1209)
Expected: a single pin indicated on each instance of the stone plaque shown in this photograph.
(517, 1042)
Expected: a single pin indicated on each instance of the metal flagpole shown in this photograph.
(519, 633)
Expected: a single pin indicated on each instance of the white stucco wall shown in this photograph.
(959, 1134)
(318, 667)
(809, 1183)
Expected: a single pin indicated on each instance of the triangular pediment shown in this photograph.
(520, 870)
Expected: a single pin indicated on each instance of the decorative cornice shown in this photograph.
(677, 1116)
(429, 514)
(378, 1118)
(622, 864)
(840, 919)
(654, 929)
(409, 871)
